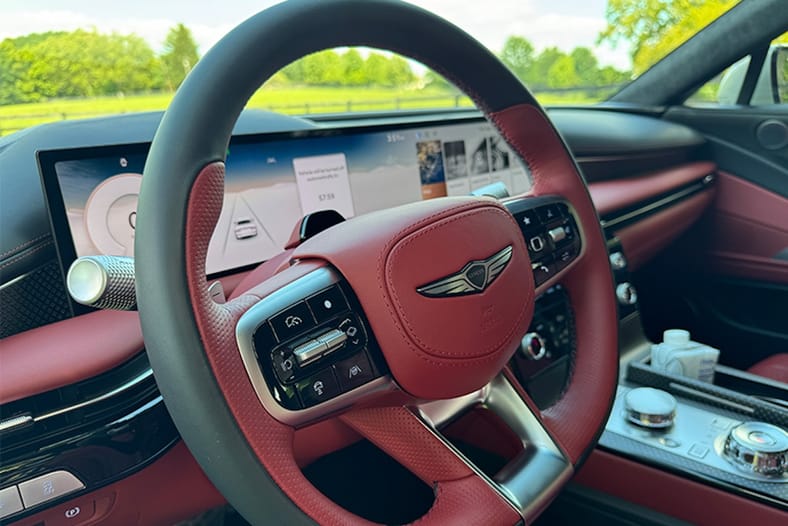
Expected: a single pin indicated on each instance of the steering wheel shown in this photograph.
(435, 296)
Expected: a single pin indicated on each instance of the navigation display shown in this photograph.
(273, 180)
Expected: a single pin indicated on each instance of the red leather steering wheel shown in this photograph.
(438, 352)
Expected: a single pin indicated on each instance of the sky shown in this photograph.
(562, 23)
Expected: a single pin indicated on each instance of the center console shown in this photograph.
(729, 434)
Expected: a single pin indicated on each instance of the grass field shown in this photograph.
(291, 100)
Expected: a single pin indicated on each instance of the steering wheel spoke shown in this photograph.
(529, 480)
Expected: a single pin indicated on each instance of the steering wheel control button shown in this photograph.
(328, 304)
(333, 340)
(650, 408)
(48, 487)
(758, 447)
(10, 501)
(318, 388)
(536, 244)
(529, 220)
(285, 365)
(356, 339)
(309, 352)
(292, 322)
(354, 371)
(557, 234)
(548, 213)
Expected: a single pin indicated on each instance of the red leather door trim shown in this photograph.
(749, 225)
(673, 495)
(646, 238)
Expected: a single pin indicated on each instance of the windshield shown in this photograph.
(86, 58)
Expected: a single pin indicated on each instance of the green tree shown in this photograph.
(654, 28)
(354, 70)
(76, 64)
(562, 73)
(518, 55)
(540, 74)
(180, 55)
(586, 67)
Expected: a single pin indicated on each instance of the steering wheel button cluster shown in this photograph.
(327, 304)
(550, 234)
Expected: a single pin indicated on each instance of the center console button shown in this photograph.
(10, 502)
(327, 304)
(293, 321)
(48, 487)
(318, 388)
(354, 371)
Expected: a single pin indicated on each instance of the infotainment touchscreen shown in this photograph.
(274, 179)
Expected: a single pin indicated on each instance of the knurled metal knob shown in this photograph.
(758, 447)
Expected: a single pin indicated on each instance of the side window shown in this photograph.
(771, 87)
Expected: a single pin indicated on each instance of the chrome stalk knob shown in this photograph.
(651, 408)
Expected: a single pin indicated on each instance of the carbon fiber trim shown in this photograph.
(33, 299)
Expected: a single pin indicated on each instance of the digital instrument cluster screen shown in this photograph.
(273, 180)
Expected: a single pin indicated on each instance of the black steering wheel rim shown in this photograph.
(194, 133)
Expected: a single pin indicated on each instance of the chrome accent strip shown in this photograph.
(258, 314)
(100, 398)
(14, 422)
(530, 480)
(666, 201)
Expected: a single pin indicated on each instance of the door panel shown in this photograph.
(727, 280)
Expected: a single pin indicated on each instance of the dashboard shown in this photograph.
(273, 180)
(277, 170)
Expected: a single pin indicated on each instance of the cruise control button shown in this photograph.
(328, 304)
(292, 322)
(48, 487)
(10, 501)
(318, 388)
(354, 371)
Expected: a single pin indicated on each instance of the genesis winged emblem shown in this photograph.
(474, 277)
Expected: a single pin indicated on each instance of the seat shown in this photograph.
(774, 367)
